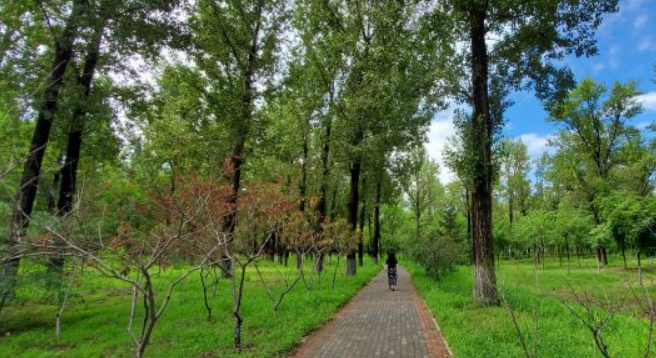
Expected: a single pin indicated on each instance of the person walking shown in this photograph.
(390, 267)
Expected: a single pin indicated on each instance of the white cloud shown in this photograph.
(613, 55)
(536, 144)
(440, 129)
(636, 4)
(646, 44)
(648, 101)
(640, 21)
(598, 67)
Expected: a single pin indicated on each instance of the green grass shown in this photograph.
(95, 321)
(538, 296)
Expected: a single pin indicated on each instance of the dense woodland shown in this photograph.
(211, 136)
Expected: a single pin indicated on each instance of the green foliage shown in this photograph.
(537, 297)
(94, 322)
(442, 247)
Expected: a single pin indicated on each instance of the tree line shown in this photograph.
(120, 112)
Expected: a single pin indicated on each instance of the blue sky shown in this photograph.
(627, 51)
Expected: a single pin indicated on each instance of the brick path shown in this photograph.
(379, 323)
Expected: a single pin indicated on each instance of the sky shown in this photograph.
(627, 51)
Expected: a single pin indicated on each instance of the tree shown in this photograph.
(234, 47)
(423, 192)
(382, 86)
(514, 171)
(68, 84)
(595, 131)
(47, 105)
(531, 35)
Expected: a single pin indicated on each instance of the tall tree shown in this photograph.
(48, 101)
(529, 37)
(235, 43)
(595, 131)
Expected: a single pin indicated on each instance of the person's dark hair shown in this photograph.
(391, 258)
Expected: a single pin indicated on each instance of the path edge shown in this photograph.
(435, 341)
(312, 339)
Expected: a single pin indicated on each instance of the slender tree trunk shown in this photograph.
(361, 235)
(280, 254)
(299, 260)
(511, 199)
(469, 223)
(353, 213)
(150, 318)
(237, 295)
(323, 188)
(376, 238)
(485, 287)
(639, 266)
(24, 201)
(569, 263)
(600, 249)
(333, 204)
(302, 186)
(52, 204)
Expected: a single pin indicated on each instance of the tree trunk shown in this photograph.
(235, 162)
(74, 145)
(569, 263)
(376, 238)
(302, 186)
(52, 205)
(29, 182)
(511, 199)
(353, 213)
(639, 267)
(469, 223)
(333, 204)
(233, 175)
(150, 318)
(361, 234)
(600, 253)
(485, 287)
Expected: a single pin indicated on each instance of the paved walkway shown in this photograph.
(379, 323)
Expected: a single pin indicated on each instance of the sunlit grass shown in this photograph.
(96, 319)
(538, 295)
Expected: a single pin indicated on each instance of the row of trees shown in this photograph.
(257, 131)
(593, 193)
(328, 102)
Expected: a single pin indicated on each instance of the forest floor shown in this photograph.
(379, 323)
(96, 317)
(543, 299)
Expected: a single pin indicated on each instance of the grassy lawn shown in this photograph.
(538, 297)
(95, 321)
